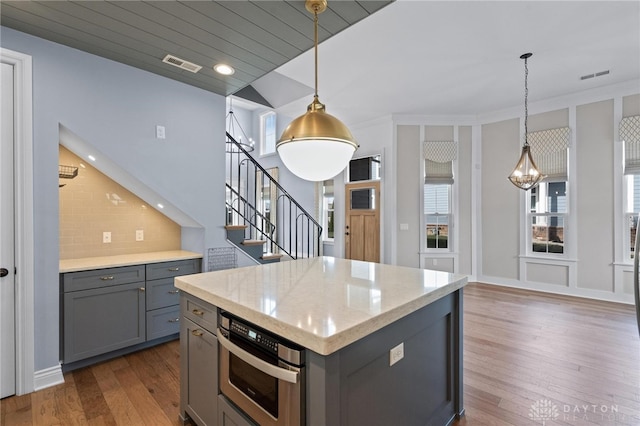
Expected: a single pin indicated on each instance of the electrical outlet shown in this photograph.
(106, 237)
(396, 354)
(160, 132)
(139, 235)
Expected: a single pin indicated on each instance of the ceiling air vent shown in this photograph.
(181, 63)
(597, 74)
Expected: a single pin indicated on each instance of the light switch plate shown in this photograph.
(106, 237)
(404, 226)
(160, 132)
(139, 235)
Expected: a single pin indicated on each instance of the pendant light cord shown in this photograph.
(315, 38)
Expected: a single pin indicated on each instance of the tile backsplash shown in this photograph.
(91, 204)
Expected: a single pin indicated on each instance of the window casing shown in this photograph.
(438, 195)
(630, 134)
(548, 204)
(268, 133)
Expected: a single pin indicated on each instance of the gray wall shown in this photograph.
(116, 108)
(408, 187)
(500, 199)
(594, 147)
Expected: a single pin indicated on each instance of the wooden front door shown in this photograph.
(362, 221)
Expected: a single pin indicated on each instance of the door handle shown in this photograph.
(254, 361)
(4, 272)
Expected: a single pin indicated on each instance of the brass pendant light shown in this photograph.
(526, 174)
(316, 146)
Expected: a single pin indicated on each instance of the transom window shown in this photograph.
(268, 133)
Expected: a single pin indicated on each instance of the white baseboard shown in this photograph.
(606, 296)
(48, 377)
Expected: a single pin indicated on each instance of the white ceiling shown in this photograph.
(462, 58)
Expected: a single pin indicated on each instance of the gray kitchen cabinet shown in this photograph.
(163, 299)
(198, 362)
(111, 311)
(230, 416)
(101, 320)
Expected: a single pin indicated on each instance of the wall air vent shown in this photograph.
(181, 63)
(597, 74)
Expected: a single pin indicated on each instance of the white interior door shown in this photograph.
(7, 246)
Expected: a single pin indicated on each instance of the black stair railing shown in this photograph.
(256, 199)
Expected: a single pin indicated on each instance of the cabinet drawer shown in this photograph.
(97, 278)
(200, 312)
(173, 269)
(162, 293)
(163, 322)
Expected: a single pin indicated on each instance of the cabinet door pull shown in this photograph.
(175, 320)
(173, 291)
(176, 269)
(198, 312)
(142, 289)
(107, 278)
(197, 333)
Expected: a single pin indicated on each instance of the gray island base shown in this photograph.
(382, 348)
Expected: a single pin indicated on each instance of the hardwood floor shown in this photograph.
(524, 351)
(529, 359)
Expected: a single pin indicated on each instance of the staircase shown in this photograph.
(262, 219)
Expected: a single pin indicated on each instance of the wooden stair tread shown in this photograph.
(271, 256)
(235, 227)
(253, 242)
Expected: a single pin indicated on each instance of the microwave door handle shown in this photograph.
(254, 361)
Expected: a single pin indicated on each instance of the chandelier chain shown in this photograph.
(526, 96)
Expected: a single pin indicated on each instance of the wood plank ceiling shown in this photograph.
(254, 37)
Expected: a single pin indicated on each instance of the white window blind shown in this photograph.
(436, 199)
(630, 134)
(549, 151)
(438, 161)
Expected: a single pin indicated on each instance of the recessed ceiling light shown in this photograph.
(224, 69)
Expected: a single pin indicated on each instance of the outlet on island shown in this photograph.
(106, 237)
(396, 354)
(139, 235)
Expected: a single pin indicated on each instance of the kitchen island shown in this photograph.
(383, 343)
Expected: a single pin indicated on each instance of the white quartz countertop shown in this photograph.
(322, 303)
(88, 263)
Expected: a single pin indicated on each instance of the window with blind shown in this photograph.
(630, 135)
(437, 196)
(548, 203)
